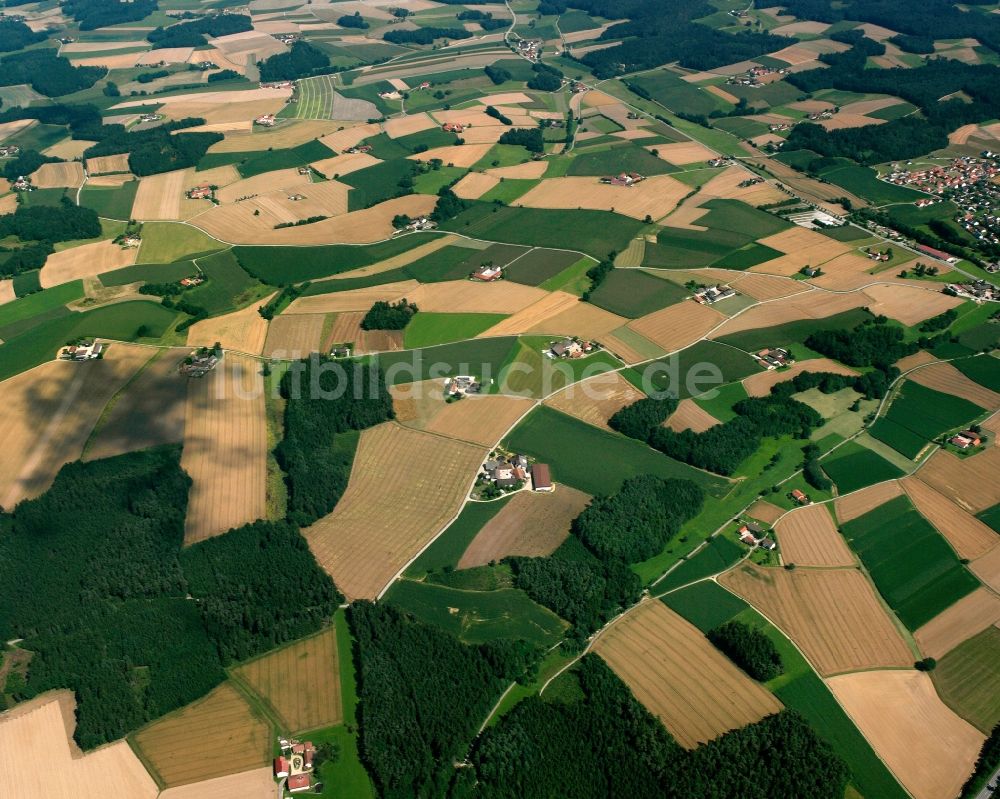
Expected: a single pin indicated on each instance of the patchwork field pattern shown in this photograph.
(860, 502)
(967, 617)
(967, 481)
(87, 260)
(695, 690)
(833, 615)
(690, 416)
(966, 679)
(392, 506)
(597, 399)
(969, 537)
(946, 378)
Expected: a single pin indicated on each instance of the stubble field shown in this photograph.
(808, 537)
(596, 400)
(970, 615)
(970, 482)
(858, 503)
(969, 537)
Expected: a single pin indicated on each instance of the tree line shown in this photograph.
(38, 228)
(192, 34)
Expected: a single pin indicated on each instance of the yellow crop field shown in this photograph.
(808, 537)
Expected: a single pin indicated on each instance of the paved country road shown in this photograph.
(986, 793)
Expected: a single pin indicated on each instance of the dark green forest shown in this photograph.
(388, 315)
(301, 60)
(748, 648)
(192, 34)
(39, 228)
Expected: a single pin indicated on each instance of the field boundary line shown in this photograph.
(110, 404)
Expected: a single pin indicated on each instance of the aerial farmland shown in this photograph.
(513, 398)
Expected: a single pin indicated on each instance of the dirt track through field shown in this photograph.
(40, 760)
(597, 399)
(695, 690)
(929, 748)
(405, 485)
(860, 502)
(969, 616)
(968, 536)
(808, 537)
(225, 449)
(48, 413)
(533, 524)
(833, 615)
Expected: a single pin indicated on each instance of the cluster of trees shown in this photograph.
(920, 44)
(987, 762)
(192, 34)
(872, 343)
(257, 587)
(427, 35)
(149, 77)
(422, 695)
(93, 14)
(159, 149)
(484, 18)
(940, 322)
(225, 74)
(448, 205)
(47, 73)
(873, 385)
(497, 74)
(354, 20)
(606, 744)
(498, 115)
(597, 273)
(748, 648)
(301, 60)
(812, 471)
(546, 78)
(15, 34)
(531, 139)
(39, 228)
(639, 418)
(324, 405)
(282, 300)
(640, 519)
(389, 316)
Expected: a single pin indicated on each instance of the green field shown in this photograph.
(279, 266)
(633, 293)
(862, 181)
(253, 163)
(990, 517)
(717, 555)
(109, 202)
(315, 98)
(912, 565)
(966, 678)
(164, 242)
(428, 329)
(529, 373)
(38, 304)
(508, 190)
(480, 357)
(747, 256)
(706, 604)
(478, 616)
(721, 404)
(27, 283)
(794, 332)
(228, 287)
(569, 445)
(696, 370)
(620, 158)
(984, 369)
(738, 217)
(744, 127)
(595, 233)
(449, 547)
(149, 273)
(669, 90)
(377, 183)
(918, 415)
(448, 263)
(539, 265)
(853, 466)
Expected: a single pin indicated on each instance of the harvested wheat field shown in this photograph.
(285, 207)
(461, 155)
(969, 537)
(8, 204)
(808, 537)
(353, 300)
(404, 126)
(768, 287)
(581, 319)
(417, 403)
(391, 509)
(160, 196)
(241, 331)
(344, 164)
(690, 416)
(760, 384)
(483, 135)
(300, 681)
(858, 503)
(280, 179)
(596, 399)
(946, 378)
(108, 164)
(346, 328)
(110, 181)
(695, 690)
(295, 336)
(969, 616)
(911, 729)
(656, 196)
(530, 170)
(908, 304)
(467, 296)
(919, 358)
(535, 315)
(404, 258)
(236, 224)
(480, 420)
(255, 784)
(987, 569)
(217, 735)
(348, 137)
(678, 326)
(833, 615)
(475, 185)
(726, 185)
(7, 290)
(54, 176)
(684, 152)
(765, 511)
(531, 525)
(225, 449)
(40, 760)
(289, 133)
(149, 413)
(969, 482)
(49, 411)
(808, 305)
(802, 246)
(87, 260)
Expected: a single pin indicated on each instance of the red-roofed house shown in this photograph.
(299, 782)
(487, 273)
(799, 497)
(280, 767)
(541, 480)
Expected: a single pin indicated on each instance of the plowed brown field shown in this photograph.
(695, 690)
(768, 287)
(242, 331)
(910, 728)
(53, 176)
(908, 304)
(860, 502)
(808, 537)
(467, 296)
(108, 164)
(88, 260)
(300, 681)
(833, 615)
(969, 616)
(225, 448)
(597, 399)
(405, 485)
(217, 735)
(533, 525)
(535, 315)
(765, 511)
